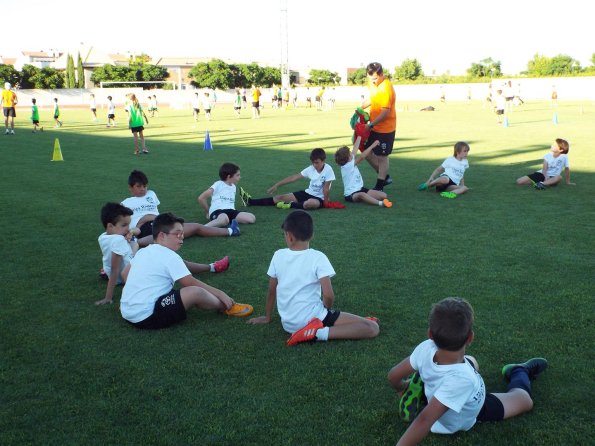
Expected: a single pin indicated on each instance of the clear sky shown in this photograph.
(325, 34)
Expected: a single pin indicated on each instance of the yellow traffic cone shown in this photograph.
(57, 151)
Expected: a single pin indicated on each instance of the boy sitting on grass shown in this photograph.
(320, 174)
(118, 246)
(144, 204)
(353, 184)
(298, 274)
(453, 388)
(149, 300)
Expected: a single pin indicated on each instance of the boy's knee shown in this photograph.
(372, 328)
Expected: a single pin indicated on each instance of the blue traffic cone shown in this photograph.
(555, 118)
(207, 144)
(506, 124)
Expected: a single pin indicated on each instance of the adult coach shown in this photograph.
(255, 102)
(383, 122)
(9, 101)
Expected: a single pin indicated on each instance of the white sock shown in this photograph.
(230, 231)
(212, 265)
(322, 334)
(381, 203)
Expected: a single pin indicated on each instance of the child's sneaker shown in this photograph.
(239, 310)
(539, 185)
(221, 265)
(245, 196)
(373, 319)
(7, 132)
(533, 366)
(448, 194)
(388, 180)
(386, 203)
(12, 132)
(308, 333)
(235, 228)
(283, 205)
(413, 400)
(422, 186)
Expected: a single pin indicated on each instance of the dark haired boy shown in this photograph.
(144, 204)
(320, 175)
(298, 276)
(454, 389)
(223, 198)
(149, 300)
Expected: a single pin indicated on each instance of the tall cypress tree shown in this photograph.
(80, 73)
(70, 77)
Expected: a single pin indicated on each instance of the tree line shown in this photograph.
(217, 74)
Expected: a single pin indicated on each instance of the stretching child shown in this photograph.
(298, 275)
(450, 181)
(149, 300)
(354, 190)
(320, 174)
(144, 204)
(554, 162)
(118, 245)
(223, 196)
(454, 389)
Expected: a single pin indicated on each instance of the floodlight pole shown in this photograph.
(284, 46)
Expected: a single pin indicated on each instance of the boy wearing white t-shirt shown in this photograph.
(144, 204)
(298, 275)
(149, 300)
(316, 196)
(454, 390)
(554, 162)
(222, 193)
(353, 184)
(118, 246)
(111, 113)
(448, 178)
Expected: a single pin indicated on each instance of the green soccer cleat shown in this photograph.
(533, 366)
(283, 205)
(413, 400)
(422, 186)
(448, 194)
(245, 196)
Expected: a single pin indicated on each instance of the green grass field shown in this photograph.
(74, 373)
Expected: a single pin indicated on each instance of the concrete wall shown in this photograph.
(568, 88)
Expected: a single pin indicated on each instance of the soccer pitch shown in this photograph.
(74, 373)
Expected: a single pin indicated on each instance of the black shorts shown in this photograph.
(168, 310)
(302, 196)
(509, 98)
(93, 110)
(138, 129)
(386, 143)
(111, 116)
(443, 187)
(231, 214)
(196, 110)
(499, 112)
(56, 116)
(536, 177)
(350, 197)
(331, 318)
(35, 121)
(255, 104)
(10, 112)
(243, 98)
(237, 107)
(317, 98)
(146, 229)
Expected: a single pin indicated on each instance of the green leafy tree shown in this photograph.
(323, 77)
(80, 72)
(270, 76)
(48, 78)
(409, 70)
(70, 76)
(213, 74)
(9, 74)
(485, 68)
(358, 77)
(563, 64)
(27, 77)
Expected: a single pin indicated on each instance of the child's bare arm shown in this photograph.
(328, 295)
(203, 200)
(113, 280)
(289, 179)
(145, 116)
(326, 190)
(366, 152)
(398, 374)
(436, 172)
(355, 148)
(423, 423)
(567, 175)
(271, 298)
